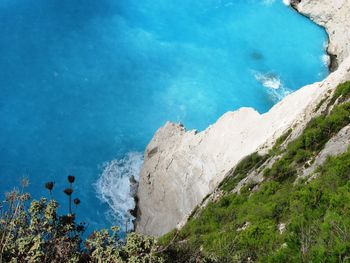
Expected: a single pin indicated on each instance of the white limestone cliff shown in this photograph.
(334, 17)
(182, 167)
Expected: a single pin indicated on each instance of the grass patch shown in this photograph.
(312, 140)
(317, 217)
(166, 239)
(343, 90)
(276, 149)
(320, 104)
(316, 214)
(242, 170)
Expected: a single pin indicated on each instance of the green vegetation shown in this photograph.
(284, 220)
(343, 91)
(36, 233)
(313, 139)
(248, 164)
(238, 227)
(276, 149)
(321, 103)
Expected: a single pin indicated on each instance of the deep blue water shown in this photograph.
(84, 82)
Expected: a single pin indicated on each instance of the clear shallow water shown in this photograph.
(86, 82)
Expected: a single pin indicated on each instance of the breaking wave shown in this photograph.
(326, 60)
(273, 84)
(117, 187)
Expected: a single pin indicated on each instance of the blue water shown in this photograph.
(84, 82)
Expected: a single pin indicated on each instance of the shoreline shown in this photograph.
(333, 59)
(187, 166)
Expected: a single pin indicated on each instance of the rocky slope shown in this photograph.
(182, 167)
(290, 204)
(333, 16)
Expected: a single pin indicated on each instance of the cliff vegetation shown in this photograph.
(287, 217)
(33, 231)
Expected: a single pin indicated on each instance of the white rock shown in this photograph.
(334, 16)
(282, 228)
(337, 145)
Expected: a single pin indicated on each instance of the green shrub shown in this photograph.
(242, 169)
(343, 90)
(276, 149)
(246, 227)
(312, 140)
(36, 233)
(242, 227)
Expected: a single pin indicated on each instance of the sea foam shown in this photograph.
(117, 187)
(286, 2)
(273, 84)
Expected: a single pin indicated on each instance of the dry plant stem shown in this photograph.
(70, 200)
(5, 241)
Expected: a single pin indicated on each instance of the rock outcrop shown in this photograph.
(182, 167)
(334, 17)
(335, 146)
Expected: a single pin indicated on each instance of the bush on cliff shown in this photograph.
(284, 220)
(342, 91)
(241, 170)
(315, 136)
(34, 232)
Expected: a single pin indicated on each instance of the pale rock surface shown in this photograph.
(334, 16)
(335, 146)
(182, 167)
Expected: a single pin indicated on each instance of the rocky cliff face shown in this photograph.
(182, 167)
(333, 16)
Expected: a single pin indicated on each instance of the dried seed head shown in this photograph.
(67, 219)
(12, 196)
(71, 179)
(68, 191)
(25, 197)
(76, 201)
(24, 182)
(49, 185)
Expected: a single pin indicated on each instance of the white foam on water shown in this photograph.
(270, 2)
(286, 2)
(273, 84)
(326, 60)
(117, 186)
(268, 80)
(325, 45)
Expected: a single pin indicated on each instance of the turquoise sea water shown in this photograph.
(84, 84)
